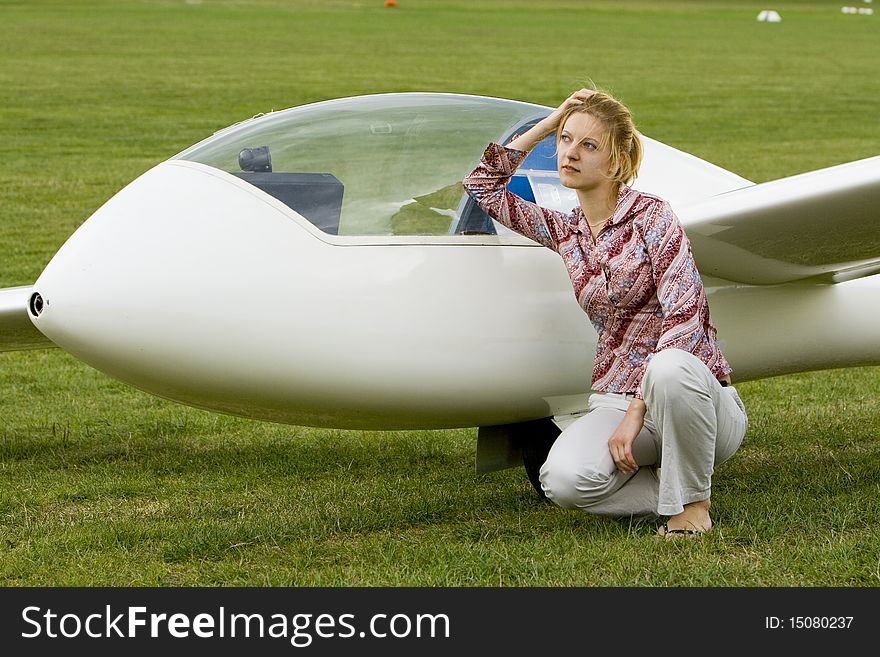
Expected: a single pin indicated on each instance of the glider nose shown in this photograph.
(35, 304)
(178, 283)
(17, 330)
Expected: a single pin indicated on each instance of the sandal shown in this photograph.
(678, 532)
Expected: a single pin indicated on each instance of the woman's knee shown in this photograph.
(574, 488)
(667, 368)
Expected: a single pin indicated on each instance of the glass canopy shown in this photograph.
(388, 164)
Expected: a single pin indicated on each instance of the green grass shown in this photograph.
(103, 485)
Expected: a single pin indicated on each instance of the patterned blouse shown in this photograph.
(637, 281)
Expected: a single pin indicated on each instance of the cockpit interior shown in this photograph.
(386, 164)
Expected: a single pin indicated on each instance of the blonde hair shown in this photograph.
(621, 139)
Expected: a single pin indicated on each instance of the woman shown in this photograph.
(663, 389)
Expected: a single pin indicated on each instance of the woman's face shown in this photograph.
(581, 162)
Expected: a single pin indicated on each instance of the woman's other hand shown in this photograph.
(621, 441)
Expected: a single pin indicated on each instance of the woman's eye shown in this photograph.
(589, 146)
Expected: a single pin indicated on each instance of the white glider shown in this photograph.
(322, 266)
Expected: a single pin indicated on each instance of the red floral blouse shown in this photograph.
(637, 281)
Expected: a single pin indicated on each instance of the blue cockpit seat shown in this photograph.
(540, 163)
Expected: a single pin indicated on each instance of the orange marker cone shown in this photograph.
(390, 3)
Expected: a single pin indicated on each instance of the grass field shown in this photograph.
(103, 485)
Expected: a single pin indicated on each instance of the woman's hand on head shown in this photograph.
(551, 123)
(548, 125)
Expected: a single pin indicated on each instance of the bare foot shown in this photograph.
(693, 521)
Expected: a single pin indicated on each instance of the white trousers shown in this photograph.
(692, 424)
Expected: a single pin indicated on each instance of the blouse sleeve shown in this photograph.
(679, 286)
(487, 186)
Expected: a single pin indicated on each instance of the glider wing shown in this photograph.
(823, 226)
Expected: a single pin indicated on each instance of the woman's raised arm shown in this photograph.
(547, 126)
